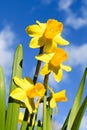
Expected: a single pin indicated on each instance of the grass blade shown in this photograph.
(49, 118)
(66, 122)
(79, 116)
(77, 101)
(13, 108)
(2, 100)
(44, 114)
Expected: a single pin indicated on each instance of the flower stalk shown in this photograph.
(37, 67)
(46, 78)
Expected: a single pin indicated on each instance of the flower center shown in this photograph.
(37, 90)
(59, 56)
(53, 28)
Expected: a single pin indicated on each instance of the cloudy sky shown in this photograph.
(16, 15)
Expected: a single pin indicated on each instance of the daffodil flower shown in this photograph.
(26, 91)
(57, 97)
(47, 35)
(53, 63)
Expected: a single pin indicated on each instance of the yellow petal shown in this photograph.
(42, 25)
(58, 75)
(18, 94)
(44, 70)
(25, 83)
(66, 68)
(28, 105)
(20, 118)
(50, 46)
(37, 103)
(44, 57)
(60, 96)
(52, 103)
(36, 42)
(34, 31)
(61, 41)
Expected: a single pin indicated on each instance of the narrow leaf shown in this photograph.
(49, 118)
(13, 108)
(44, 114)
(2, 100)
(79, 116)
(39, 128)
(77, 101)
(66, 122)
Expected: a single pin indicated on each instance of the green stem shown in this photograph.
(2, 100)
(44, 102)
(49, 118)
(37, 67)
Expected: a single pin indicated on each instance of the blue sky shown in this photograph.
(16, 15)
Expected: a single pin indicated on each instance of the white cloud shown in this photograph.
(64, 4)
(7, 40)
(6, 52)
(76, 19)
(85, 2)
(84, 123)
(52, 81)
(76, 22)
(56, 126)
(77, 55)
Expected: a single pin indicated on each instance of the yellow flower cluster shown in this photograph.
(48, 36)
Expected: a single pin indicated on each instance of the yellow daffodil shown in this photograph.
(53, 63)
(26, 91)
(46, 34)
(57, 97)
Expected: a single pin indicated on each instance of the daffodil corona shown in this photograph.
(54, 63)
(46, 34)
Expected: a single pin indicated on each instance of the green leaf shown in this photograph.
(39, 128)
(25, 120)
(66, 122)
(77, 102)
(77, 121)
(29, 128)
(44, 114)
(2, 100)
(49, 118)
(13, 107)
